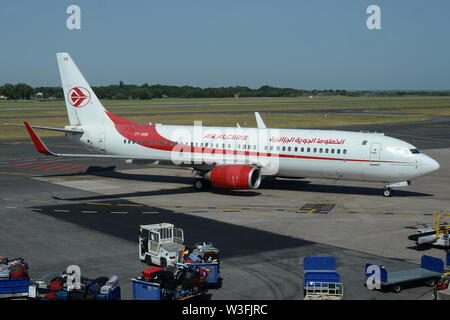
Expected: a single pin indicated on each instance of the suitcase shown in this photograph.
(62, 295)
(51, 295)
(4, 271)
(194, 258)
(149, 273)
(56, 284)
(18, 274)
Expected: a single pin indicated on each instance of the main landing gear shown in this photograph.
(201, 184)
(387, 192)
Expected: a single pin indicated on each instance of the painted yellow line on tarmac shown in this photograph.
(19, 174)
(99, 203)
(313, 211)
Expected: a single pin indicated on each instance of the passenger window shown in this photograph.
(320, 150)
(271, 148)
(295, 149)
(302, 149)
(344, 151)
(307, 150)
(289, 148)
(284, 148)
(315, 150)
(338, 151)
(326, 150)
(278, 148)
(125, 141)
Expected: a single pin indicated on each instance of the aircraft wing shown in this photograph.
(42, 148)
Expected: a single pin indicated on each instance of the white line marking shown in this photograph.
(83, 211)
(149, 212)
(61, 210)
(11, 207)
(118, 212)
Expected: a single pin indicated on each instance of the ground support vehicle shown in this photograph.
(14, 279)
(430, 271)
(320, 279)
(437, 235)
(180, 282)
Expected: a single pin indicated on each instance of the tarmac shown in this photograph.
(58, 212)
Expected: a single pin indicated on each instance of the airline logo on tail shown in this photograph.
(79, 97)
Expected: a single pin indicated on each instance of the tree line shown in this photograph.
(121, 91)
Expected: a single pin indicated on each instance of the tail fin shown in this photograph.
(83, 106)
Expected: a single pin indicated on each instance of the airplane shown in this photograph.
(233, 157)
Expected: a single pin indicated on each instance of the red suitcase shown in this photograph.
(149, 273)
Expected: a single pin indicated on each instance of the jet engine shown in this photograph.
(234, 177)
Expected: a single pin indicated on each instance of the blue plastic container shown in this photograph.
(143, 290)
(9, 286)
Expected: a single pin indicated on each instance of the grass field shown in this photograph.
(53, 113)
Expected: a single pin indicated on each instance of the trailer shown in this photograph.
(145, 290)
(437, 235)
(320, 279)
(14, 288)
(430, 271)
(14, 278)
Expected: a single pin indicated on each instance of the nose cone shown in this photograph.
(431, 165)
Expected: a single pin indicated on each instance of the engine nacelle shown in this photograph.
(235, 177)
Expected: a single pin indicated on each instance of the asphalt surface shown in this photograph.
(57, 212)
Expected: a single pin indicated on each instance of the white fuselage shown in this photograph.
(296, 153)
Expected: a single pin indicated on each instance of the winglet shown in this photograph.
(40, 146)
(259, 121)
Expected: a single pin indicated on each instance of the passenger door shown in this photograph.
(375, 151)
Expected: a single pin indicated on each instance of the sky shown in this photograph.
(302, 44)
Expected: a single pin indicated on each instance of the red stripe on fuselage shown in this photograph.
(138, 132)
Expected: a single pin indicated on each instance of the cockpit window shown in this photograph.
(414, 151)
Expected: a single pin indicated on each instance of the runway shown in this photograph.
(57, 212)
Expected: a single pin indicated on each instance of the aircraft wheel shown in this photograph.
(201, 184)
(387, 192)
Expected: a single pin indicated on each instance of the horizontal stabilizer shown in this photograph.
(42, 148)
(74, 130)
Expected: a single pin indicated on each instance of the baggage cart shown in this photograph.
(145, 290)
(429, 273)
(14, 288)
(320, 279)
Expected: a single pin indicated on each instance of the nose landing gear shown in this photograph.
(387, 192)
